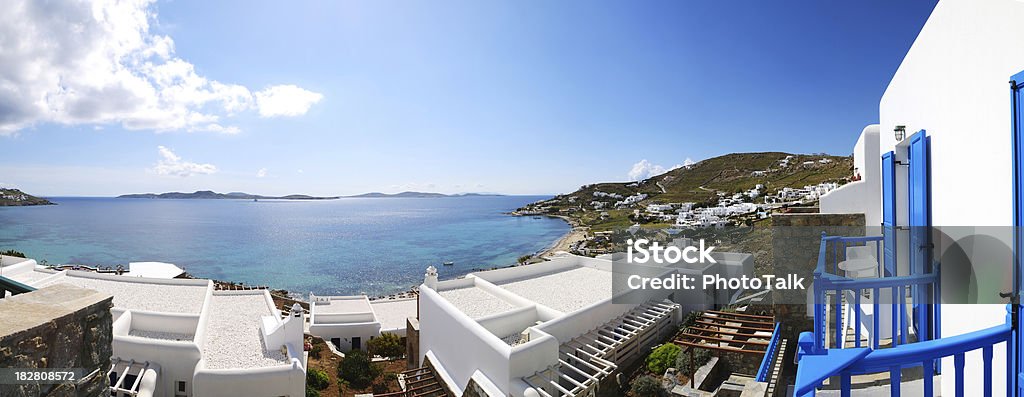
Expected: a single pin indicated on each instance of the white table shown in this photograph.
(860, 268)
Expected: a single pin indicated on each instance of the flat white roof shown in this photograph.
(475, 302)
(565, 290)
(392, 313)
(342, 305)
(132, 294)
(233, 335)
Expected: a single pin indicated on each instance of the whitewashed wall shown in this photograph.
(863, 196)
(954, 83)
(460, 345)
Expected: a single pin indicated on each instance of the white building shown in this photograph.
(950, 96)
(180, 337)
(348, 322)
(517, 332)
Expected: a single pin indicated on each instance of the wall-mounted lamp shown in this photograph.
(901, 132)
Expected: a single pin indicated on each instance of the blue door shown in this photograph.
(1017, 123)
(889, 213)
(920, 219)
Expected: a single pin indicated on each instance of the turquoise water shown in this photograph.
(344, 246)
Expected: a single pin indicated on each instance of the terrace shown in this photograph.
(135, 293)
(476, 302)
(392, 313)
(854, 337)
(233, 333)
(592, 285)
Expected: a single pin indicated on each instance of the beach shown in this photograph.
(576, 234)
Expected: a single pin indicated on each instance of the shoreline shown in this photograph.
(575, 234)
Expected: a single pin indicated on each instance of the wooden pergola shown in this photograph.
(730, 332)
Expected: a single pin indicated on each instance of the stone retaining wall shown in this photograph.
(60, 326)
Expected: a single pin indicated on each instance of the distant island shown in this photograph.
(418, 195)
(211, 195)
(17, 198)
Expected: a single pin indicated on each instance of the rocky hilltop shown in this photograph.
(17, 198)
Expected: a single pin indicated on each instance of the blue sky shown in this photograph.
(456, 96)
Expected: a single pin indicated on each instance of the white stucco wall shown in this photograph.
(863, 196)
(954, 83)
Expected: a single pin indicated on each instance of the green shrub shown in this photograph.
(387, 345)
(662, 358)
(357, 369)
(700, 357)
(317, 379)
(311, 392)
(647, 386)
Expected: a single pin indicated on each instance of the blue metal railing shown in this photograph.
(815, 367)
(830, 282)
(14, 287)
(769, 356)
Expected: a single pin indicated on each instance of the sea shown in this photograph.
(346, 246)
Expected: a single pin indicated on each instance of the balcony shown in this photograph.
(870, 320)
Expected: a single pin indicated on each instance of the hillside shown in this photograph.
(17, 198)
(418, 195)
(210, 195)
(703, 184)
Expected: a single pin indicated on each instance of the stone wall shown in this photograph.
(412, 342)
(796, 239)
(60, 326)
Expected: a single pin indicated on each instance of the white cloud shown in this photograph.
(285, 100)
(98, 62)
(688, 162)
(261, 173)
(643, 169)
(172, 164)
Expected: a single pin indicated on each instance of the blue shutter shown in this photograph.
(1016, 363)
(920, 214)
(889, 212)
(920, 219)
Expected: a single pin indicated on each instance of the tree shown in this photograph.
(357, 369)
(524, 259)
(387, 345)
(12, 253)
(647, 386)
(662, 358)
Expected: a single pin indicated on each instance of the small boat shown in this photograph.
(448, 263)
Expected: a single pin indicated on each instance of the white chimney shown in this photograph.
(430, 279)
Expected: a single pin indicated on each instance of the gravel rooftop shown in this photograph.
(566, 290)
(144, 296)
(475, 302)
(233, 338)
(161, 335)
